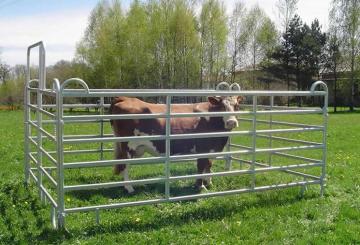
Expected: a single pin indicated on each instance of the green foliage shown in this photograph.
(300, 52)
(345, 19)
(213, 34)
(154, 45)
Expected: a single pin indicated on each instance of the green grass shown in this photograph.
(269, 217)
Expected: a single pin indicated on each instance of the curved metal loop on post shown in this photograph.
(235, 86)
(56, 85)
(77, 80)
(221, 86)
(321, 84)
(29, 82)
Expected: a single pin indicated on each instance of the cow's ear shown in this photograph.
(240, 99)
(214, 100)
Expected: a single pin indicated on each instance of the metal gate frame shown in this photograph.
(58, 119)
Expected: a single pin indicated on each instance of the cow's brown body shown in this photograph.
(137, 127)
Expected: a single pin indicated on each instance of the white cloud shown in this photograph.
(60, 31)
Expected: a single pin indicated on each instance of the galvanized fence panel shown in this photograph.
(34, 159)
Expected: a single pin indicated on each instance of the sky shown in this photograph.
(61, 24)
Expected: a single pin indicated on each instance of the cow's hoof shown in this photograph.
(208, 185)
(200, 188)
(129, 189)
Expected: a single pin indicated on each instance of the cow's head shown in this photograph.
(227, 103)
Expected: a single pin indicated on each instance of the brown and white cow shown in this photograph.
(138, 127)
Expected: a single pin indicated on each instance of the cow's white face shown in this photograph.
(229, 104)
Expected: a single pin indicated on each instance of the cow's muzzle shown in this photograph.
(231, 124)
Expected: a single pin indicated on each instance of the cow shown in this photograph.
(140, 127)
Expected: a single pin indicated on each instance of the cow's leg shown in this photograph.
(207, 180)
(122, 152)
(119, 154)
(203, 166)
(129, 188)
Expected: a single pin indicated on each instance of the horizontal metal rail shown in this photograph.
(268, 107)
(86, 136)
(74, 121)
(247, 171)
(283, 154)
(152, 160)
(288, 139)
(83, 151)
(47, 168)
(186, 177)
(82, 139)
(113, 184)
(66, 106)
(106, 163)
(178, 115)
(191, 197)
(285, 169)
(265, 150)
(188, 93)
(245, 190)
(296, 157)
(115, 139)
(281, 123)
(47, 92)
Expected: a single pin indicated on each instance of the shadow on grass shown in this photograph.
(25, 219)
(344, 112)
(205, 211)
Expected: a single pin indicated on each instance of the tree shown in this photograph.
(185, 45)
(262, 36)
(300, 52)
(286, 11)
(238, 37)
(4, 72)
(346, 17)
(101, 50)
(332, 58)
(136, 54)
(213, 34)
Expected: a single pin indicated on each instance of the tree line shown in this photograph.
(196, 44)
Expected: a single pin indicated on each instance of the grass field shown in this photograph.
(275, 217)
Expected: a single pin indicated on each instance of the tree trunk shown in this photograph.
(335, 90)
(352, 98)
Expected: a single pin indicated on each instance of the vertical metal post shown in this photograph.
(27, 130)
(325, 123)
(228, 157)
(271, 126)
(97, 216)
(167, 147)
(39, 117)
(101, 128)
(60, 156)
(303, 188)
(253, 160)
(53, 217)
